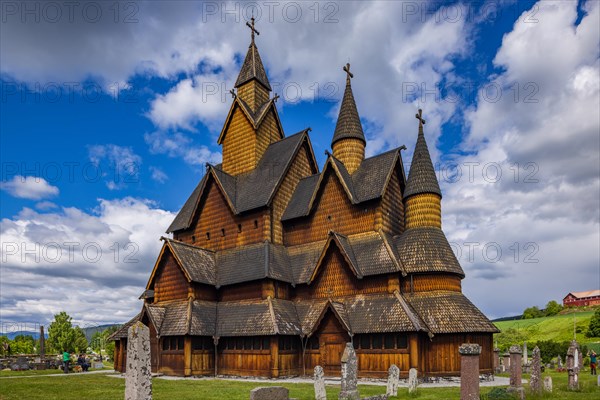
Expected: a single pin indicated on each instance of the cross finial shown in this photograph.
(252, 29)
(276, 97)
(232, 93)
(419, 116)
(349, 74)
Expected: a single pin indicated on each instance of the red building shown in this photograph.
(578, 299)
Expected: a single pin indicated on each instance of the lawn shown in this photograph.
(77, 386)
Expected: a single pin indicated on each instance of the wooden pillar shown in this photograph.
(413, 348)
(116, 355)
(268, 289)
(393, 283)
(274, 356)
(187, 356)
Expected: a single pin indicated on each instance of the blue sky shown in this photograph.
(108, 119)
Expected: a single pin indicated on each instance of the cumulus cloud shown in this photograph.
(158, 175)
(178, 145)
(93, 265)
(29, 187)
(529, 185)
(118, 165)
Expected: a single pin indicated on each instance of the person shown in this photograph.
(593, 362)
(66, 361)
(82, 362)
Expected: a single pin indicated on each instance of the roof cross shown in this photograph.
(419, 116)
(349, 74)
(251, 26)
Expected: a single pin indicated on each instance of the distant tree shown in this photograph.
(509, 337)
(594, 327)
(552, 308)
(63, 336)
(3, 340)
(532, 312)
(23, 344)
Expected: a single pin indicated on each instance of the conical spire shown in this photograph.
(348, 123)
(253, 67)
(421, 177)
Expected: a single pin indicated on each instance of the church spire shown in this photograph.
(421, 177)
(253, 68)
(348, 138)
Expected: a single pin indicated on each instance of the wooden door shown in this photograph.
(332, 347)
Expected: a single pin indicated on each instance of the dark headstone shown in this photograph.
(270, 393)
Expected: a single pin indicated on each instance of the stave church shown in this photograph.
(275, 264)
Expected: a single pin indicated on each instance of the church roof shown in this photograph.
(250, 190)
(368, 182)
(348, 124)
(253, 68)
(421, 176)
(449, 312)
(426, 249)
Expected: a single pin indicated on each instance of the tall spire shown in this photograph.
(348, 123)
(421, 177)
(253, 67)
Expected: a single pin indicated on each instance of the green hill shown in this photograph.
(558, 328)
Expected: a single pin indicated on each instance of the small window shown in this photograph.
(401, 341)
(365, 342)
(389, 341)
(329, 218)
(248, 343)
(266, 343)
(165, 344)
(193, 238)
(239, 228)
(180, 343)
(377, 342)
(255, 224)
(256, 343)
(207, 235)
(239, 343)
(313, 343)
(223, 232)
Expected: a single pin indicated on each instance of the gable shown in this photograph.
(239, 143)
(169, 280)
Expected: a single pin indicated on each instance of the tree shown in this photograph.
(552, 308)
(594, 327)
(23, 344)
(509, 337)
(63, 336)
(3, 340)
(532, 312)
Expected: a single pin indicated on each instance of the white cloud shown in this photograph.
(29, 187)
(45, 205)
(92, 265)
(545, 206)
(118, 165)
(158, 175)
(177, 145)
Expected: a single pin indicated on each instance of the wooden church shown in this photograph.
(274, 264)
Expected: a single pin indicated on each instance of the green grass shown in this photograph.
(78, 386)
(558, 328)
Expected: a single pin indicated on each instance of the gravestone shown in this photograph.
(469, 371)
(516, 385)
(413, 381)
(392, 382)
(560, 363)
(506, 361)
(138, 379)
(598, 380)
(573, 366)
(525, 355)
(497, 368)
(535, 382)
(270, 393)
(548, 384)
(349, 374)
(320, 393)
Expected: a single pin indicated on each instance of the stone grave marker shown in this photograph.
(270, 393)
(349, 374)
(320, 393)
(469, 371)
(573, 366)
(138, 378)
(535, 382)
(413, 380)
(393, 380)
(516, 372)
(548, 384)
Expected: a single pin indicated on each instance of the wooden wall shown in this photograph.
(335, 278)
(170, 282)
(239, 144)
(203, 362)
(267, 133)
(172, 362)
(241, 291)
(423, 283)
(333, 211)
(300, 168)
(440, 356)
(213, 215)
(389, 216)
(244, 362)
(253, 93)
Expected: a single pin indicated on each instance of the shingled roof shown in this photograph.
(368, 182)
(426, 249)
(122, 332)
(253, 69)
(247, 191)
(421, 177)
(257, 318)
(348, 124)
(449, 312)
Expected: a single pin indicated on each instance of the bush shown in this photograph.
(498, 394)
(594, 327)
